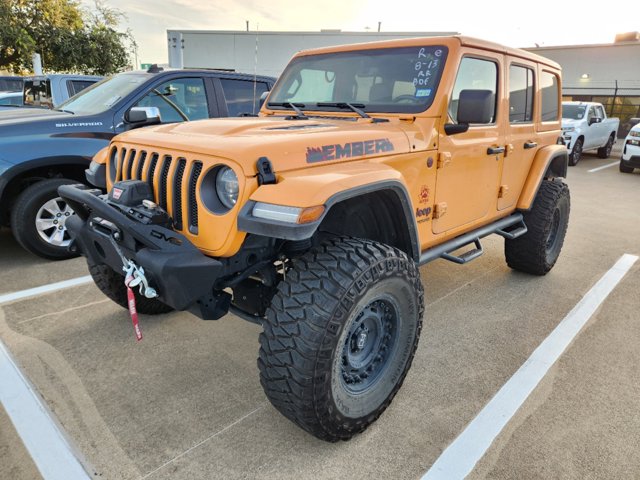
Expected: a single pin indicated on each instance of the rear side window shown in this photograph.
(550, 97)
(76, 86)
(474, 74)
(241, 96)
(520, 94)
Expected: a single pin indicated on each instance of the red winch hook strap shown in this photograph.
(133, 311)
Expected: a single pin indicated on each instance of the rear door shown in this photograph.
(521, 137)
(469, 162)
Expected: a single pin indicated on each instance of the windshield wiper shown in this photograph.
(294, 106)
(354, 107)
(62, 110)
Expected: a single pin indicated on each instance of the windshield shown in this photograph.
(104, 94)
(389, 80)
(573, 112)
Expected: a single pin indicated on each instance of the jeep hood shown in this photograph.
(289, 144)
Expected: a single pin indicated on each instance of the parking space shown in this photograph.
(186, 402)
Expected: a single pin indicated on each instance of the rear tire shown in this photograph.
(340, 336)
(537, 251)
(605, 152)
(576, 153)
(624, 168)
(38, 220)
(112, 285)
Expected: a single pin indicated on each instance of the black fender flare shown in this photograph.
(295, 232)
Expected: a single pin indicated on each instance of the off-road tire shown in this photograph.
(310, 328)
(576, 153)
(23, 218)
(112, 285)
(605, 151)
(624, 168)
(537, 251)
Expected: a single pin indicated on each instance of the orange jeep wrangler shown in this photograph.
(365, 162)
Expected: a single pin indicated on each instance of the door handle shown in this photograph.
(495, 150)
(528, 145)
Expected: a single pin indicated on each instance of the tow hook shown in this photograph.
(134, 276)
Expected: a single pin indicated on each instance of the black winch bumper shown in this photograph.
(182, 275)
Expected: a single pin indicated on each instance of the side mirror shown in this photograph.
(476, 106)
(593, 120)
(263, 98)
(143, 116)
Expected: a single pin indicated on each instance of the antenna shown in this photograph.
(255, 71)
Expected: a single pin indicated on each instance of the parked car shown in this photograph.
(631, 151)
(10, 100)
(585, 126)
(11, 84)
(367, 161)
(43, 149)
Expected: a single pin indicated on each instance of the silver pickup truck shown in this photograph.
(585, 126)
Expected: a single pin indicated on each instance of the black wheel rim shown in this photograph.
(577, 151)
(369, 345)
(553, 233)
(609, 146)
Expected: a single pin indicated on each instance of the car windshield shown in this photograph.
(104, 94)
(573, 112)
(389, 80)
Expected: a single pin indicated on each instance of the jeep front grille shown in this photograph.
(172, 180)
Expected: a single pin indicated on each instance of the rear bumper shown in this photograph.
(183, 277)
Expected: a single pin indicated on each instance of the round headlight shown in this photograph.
(227, 187)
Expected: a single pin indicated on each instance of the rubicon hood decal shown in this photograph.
(348, 150)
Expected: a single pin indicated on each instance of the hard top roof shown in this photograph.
(440, 40)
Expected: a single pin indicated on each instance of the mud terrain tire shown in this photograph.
(340, 336)
(537, 251)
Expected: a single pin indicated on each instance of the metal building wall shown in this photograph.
(235, 50)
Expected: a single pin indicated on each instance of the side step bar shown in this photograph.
(510, 228)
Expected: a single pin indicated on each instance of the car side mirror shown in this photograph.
(476, 106)
(593, 120)
(263, 98)
(143, 116)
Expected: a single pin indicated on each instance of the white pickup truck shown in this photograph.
(585, 126)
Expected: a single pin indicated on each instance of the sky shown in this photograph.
(512, 23)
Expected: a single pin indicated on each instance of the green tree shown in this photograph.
(68, 38)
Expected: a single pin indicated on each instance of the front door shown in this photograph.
(469, 163)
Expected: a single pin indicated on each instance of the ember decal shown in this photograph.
(348, 150)
(424, 194)
(117, 193)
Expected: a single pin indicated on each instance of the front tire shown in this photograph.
(112, 285)
(576, 153)
(537, 251)
(38, 220)
(340, 336)
(624, 168)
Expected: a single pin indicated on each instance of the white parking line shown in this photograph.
(32, 292)
(603, 167)
(40, 434)
(461, 456)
